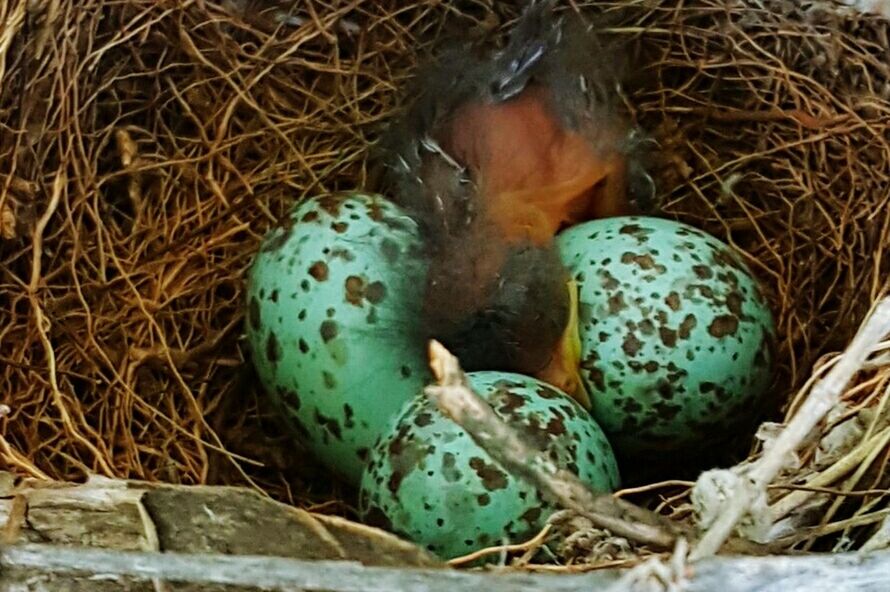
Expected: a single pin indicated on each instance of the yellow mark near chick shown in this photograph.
(564, 369)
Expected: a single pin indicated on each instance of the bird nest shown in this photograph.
(147, 146)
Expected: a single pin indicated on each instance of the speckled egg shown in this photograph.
(332, 322)
(427, 480)
(676, 335)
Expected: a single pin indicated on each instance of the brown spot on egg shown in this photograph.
(273, 349)
(492, 477)
(632, 406)
(724, 258)
(734, 302)
(703, 272)
(355, 288)
(483, 499)
(531, 516)
(330, 204)
(645, 262)
(397, 444)
(450, 472)
(341, 253)
(651, 366)
(375, 292)
(723, 325)
(253, 313)
(687, 326)
(319, 271)
(290, 397)
(423, 419)
(631, 345)
(309, 217)
(706, 291)
(569, 411)
(328, 330)
(375, 211)
(304, 347)
(545, 392)
(729, 278)
(556, 426)
(330, 425)
(673, 301)
(634, 230)
(509, 402)
(665, 390)
(411, 455)
(340, 227)
(666, 410)
(598, 378)
(616, 303)
(329, 381)
(607, 280)
(668, 336)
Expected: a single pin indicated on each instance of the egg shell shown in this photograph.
(677, 338)
(332, 322)
(429, 481)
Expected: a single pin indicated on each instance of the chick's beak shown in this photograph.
(563, 371)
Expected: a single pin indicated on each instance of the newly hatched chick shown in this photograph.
(494, 152)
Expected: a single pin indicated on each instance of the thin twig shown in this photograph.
(823, 397)
(456, 400)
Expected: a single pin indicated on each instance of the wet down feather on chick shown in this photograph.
(493, 152)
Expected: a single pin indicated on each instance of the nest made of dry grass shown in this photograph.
(145, 147)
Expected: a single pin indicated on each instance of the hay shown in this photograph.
(145, 147)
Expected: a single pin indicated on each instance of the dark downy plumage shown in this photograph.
(493, 153)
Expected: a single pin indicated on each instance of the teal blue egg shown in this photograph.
(430, 482)
(677, 337)
(333, 322)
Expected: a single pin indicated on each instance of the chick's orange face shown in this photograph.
(534, 174)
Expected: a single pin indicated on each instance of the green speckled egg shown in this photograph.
(332, 322)
(427, 480)
(677, 339)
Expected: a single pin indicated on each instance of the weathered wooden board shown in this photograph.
(122, 535)
(137, 516)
